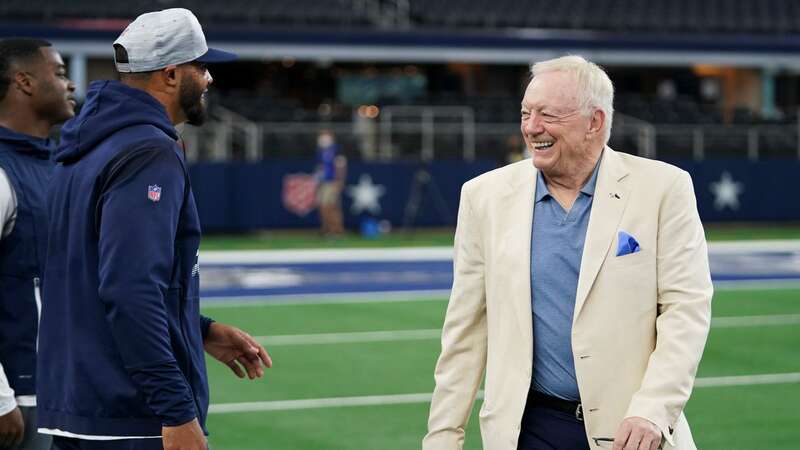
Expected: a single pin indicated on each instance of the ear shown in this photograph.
(170, 76)
(24, 82)
(597, 121)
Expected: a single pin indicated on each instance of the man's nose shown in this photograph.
(533, 124)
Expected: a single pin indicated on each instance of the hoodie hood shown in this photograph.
(24, 143)
(110, 106)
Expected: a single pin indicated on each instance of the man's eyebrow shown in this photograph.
(532, 107)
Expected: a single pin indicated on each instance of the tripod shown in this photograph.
(424, 182)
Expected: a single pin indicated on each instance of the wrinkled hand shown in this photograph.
(637, 433)
(188, 436)
(237, 350)
(12, 429)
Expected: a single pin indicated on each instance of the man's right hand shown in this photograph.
(12, 429)
(188, 436)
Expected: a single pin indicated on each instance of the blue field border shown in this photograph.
(378, 272)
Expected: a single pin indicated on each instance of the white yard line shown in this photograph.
(327, 255)
(755, 321)
(321, 299)
(313, 403)
(441, 253)
(338, 338)
(399, 399)
(748, 380)
(762, 245)
(753, 285)
(435, 333)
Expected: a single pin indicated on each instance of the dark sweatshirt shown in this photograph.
(26, 162)
(121, 336)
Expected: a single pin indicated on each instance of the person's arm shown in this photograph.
(12, 426)
(684, 310)
(8, 205)
(205, 324)
(136, 252)
(237, 350)
(341, 171)
(463, 358)
(7, 401)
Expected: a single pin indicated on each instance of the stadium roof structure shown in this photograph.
(510, 46)
(675, 16)
(759, 33)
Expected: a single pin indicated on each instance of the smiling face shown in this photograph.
(562, 139)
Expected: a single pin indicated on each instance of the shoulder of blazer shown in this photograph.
(650, 169)
(502, 180)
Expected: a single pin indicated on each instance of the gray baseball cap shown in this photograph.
(158, 39)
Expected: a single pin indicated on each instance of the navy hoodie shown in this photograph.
(26, 162)
(121, 340)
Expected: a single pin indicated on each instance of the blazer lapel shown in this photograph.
(610, 198)
(516, 207)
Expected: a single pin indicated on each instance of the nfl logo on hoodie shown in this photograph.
(154, 193)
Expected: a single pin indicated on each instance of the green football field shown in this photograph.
(358, 375)
(290, 239)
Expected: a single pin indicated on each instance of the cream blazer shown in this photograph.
(640, 321)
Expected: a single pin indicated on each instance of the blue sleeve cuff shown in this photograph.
(166, 392)
(205, 324)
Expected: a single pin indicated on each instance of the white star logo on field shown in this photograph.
(726, 192)
(366, 195)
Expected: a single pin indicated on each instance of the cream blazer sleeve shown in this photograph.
(684, 309)
(461, 364)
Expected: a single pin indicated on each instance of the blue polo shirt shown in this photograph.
(556, 249)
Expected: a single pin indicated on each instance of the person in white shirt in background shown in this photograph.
(35, 94)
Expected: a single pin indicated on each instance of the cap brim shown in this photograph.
(217, 56)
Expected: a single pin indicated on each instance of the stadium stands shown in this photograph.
(681, 127)
(273, 93)
(238, 12)
(739, 16)
(675, 16)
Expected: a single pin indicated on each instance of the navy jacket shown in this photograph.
(26, 162)
(121, 341)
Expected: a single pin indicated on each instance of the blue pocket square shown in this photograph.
(626, 244)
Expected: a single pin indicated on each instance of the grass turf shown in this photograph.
(722, 418)
(439, 237)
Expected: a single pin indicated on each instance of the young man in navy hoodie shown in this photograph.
(121, 352)
(35, 94)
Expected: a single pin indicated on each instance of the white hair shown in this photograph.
(594, 88)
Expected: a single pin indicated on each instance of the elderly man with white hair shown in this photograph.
(581, 290)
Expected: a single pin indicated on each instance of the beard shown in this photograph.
(191, 101)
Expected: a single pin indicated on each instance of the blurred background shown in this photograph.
(328, 180)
